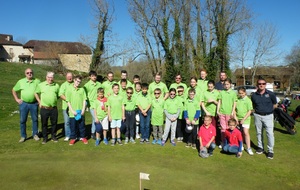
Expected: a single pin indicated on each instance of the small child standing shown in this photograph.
(101, 119)
(191, 115)
(207, 135)
(172, 110)
(116, 113)
(243, 111)
(157, 116)
(180, 121)
(129, 104)
(137, 92)
(233, 140)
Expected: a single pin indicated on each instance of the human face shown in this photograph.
(203, 75)
(227, 85)
(223, 76)
(191, 95)
(178, 79)
(129, 93)
(135, 80)
(29, 74)
(93, 78)
(193, 83)
(144, 90)
(172, 94)
(242, 94)
(69, 77)
(180, 92)
(123, 75)
(110, 77)
(138, 88)
(77, 82)
(157, 94)
(157, 78)
(100, 95)
(231, 125)
(207, 121)
(210, 87)
(49, 79)
(123, 85)
(115, 89)
(261, 85)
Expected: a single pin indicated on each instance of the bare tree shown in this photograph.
(293, 59)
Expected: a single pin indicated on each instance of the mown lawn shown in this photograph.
(31, 165)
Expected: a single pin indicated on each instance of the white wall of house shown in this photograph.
(78, 62)
(11, 52)
(45, 62)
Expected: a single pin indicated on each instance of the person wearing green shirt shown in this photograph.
(91, 88)
(178, 82)
(202, 82)
(130, 105)
(124, 86)
(137, 92)
(172, 110)
(107, 85)
(180, 121)
(193, 85)
(191, 115)
(48, 91)
(27, 103)
(158, 84)
(157, 116)
(76, 98)
(62, 94)
(124, 75)
(243, 111)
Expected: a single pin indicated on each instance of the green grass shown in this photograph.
(31, 165)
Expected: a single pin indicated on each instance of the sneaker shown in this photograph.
(210, 154)
(249, 151)
(126, 140)
(163, 142)
(105, 141)
(22, 139)
(194, 146)
(54, 139)
(270, 155)
(85, 141)
(66, 139)
(137, 136)
(35, 137)
(119, 142)
(158, 142)
(238, 156)
(173, 143)
(179, 139)
(188, 145)
(259, 151)
(154, 141)
(97, 142)
(142, 141)
(44, 141)
(147, 141)
(220, 146)
(132, 140)
(72, 141)
(113, 142)
(242, 148)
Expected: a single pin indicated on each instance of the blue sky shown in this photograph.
(66, 20)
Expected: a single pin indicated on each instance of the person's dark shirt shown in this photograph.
(219, 86)
(263, 103)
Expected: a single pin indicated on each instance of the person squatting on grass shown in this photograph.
(48, 91)
(116, 113)
(233, 140)
(191, 115)
(157, 116)
(207, 135)
(76, 98)
(243, 111)
(226, 106)
(27, 103)
(101, 118)
(143, 102)
(129, 105)
(172, 110)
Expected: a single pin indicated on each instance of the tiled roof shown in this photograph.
(7, 39)
(280, 70)
(60, 47)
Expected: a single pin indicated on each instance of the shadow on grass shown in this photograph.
(281, 130)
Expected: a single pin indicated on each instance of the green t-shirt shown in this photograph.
(129, 84)
(27, 89)
(243, 106)
(130, 105)
(198, 94)
(175, 85)
(210, 107)
(91, 90)
(115, 102)
(122, 92)
(49, 93)
(143, 100)
(191, 106)
(62, 91)
(162, 86)
(157, 116)
(100, 107)
(202, 85)
(227, 100)
(107, 85)
(172, 105)
(76, 97)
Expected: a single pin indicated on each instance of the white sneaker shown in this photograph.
(242, 148)
(220, 146)
(35, 137)
(67, 139)
(249, 151)
(137, 136)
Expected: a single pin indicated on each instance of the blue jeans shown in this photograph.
(25, 108)
(67, 124)
(211, 147)
(77, 125)
(130, 123)
(231, 149)
(145, 124)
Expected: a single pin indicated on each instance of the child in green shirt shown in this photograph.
(129, 104)
(180, 121)
(157, 116)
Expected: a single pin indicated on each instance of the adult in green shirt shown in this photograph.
(178, 82)
(48, 91)
(27, 103)
(202, 82)
(91, 88)
(107, 85)
(124, 76)
(158, 84)
(62, 94)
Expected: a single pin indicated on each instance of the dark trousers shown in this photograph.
(45, 115)
(192, 136)
(180, 127)
(130, 123)
(77, 125)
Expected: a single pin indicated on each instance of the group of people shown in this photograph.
(191, 113)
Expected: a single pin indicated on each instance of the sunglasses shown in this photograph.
(156, 93)
(177, 78)
(172, 94)
(180, 91)
(129, 93)
(29, 73)
(261, 83)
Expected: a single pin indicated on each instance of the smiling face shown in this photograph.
(29, 74)
(69, 77)
(178, 79)
(193, 83)
(157, 78)
(203, 75)
(231, 125)
(261, 85)
(227, 85)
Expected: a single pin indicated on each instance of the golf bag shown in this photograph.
(285, 120)
(296, 113)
